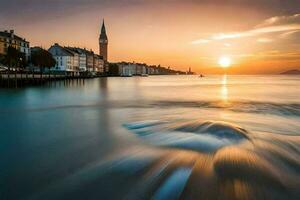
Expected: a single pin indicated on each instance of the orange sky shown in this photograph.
(259, 37)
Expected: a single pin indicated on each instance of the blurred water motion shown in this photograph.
(169, 137)
(259, 166)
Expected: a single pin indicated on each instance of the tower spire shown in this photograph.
(103, 42)
(103, 30)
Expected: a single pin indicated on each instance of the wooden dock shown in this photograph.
(15, 80)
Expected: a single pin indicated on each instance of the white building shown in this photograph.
(82, 59)
(141, 69)
(132, 69)
(76, 60)
(126, 69)
(65, 59)
(86, 62)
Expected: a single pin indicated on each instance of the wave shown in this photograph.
(291, 109)
(190, 160)
(229, 161)
(207, 136)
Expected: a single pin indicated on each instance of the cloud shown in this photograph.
(201, 41)
(281, 20)
(278, 55)
(285, 25)
(288, 34)
(264, 40)
(270, 55)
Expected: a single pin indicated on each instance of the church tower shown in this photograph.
(103, 42)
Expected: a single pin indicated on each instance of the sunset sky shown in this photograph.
(260, 36)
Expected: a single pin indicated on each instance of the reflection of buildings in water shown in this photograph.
(67, 83)
(103, 83)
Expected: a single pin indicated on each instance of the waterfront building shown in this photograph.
(75, 58)
(132, 69)
(81, 58)
(64, 59)
(8, 38)
(141, 69)
(85, 60)
(98, 64)
(82, 61)
(126, 69)
(89, 60)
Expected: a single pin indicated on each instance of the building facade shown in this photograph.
(76, 60)
(98, 64)
(132, 69)
(8, 38)
(82, 60)
(79, 58)
(64, 59)
(89, 60)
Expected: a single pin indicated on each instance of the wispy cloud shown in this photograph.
(264, 40)
(288, 34)
(200, 41)
(281, 20)
(284, 25)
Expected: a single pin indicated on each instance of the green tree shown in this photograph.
(42, 59)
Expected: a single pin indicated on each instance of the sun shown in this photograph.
(225, 61)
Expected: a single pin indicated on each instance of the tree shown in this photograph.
(113, 69)
(22, 62)
(14, 58)
(42, 59)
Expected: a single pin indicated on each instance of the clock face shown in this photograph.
(103, 41)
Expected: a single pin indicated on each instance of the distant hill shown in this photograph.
(291, 72)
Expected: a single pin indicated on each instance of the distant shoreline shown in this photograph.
(291, 72)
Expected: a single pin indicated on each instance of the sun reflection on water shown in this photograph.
(224, 90)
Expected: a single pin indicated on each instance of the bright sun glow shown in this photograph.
(225, 61)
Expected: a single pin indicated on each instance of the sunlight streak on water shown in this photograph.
(224, 89)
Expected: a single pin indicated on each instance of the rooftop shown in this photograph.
(7, 34)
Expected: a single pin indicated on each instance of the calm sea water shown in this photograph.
(159, 137)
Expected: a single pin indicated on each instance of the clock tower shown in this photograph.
(103, 42)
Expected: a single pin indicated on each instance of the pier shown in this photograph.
(16, 80)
